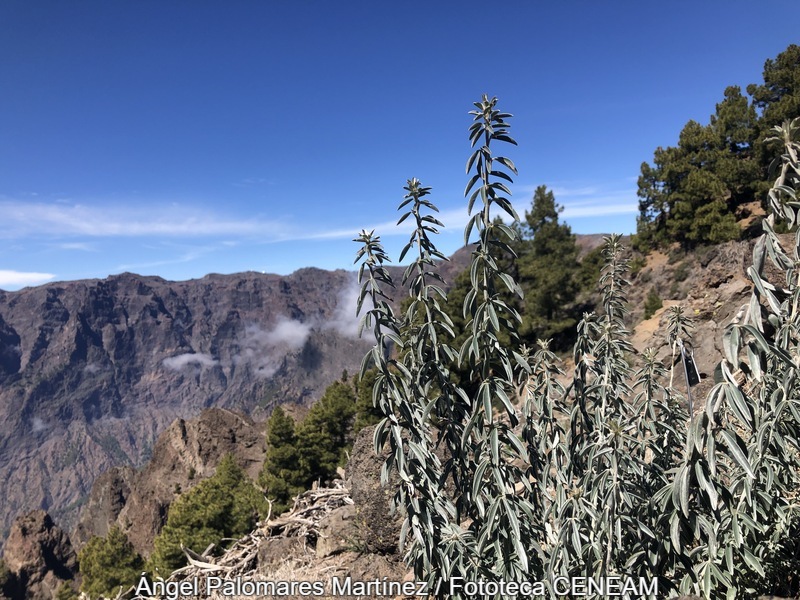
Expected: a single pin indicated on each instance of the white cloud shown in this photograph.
(454, 220)
(25, 218)
(37, 425)
(599, 210)
(289, 333)
(17, 279)
(344, 319)
(176, 363)
(77, 246)
(264, 350)
(590, 200)
(186, 256)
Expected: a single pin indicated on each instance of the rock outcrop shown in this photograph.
(378, 528)
(39, 557)
(186, 453)
(711, 287)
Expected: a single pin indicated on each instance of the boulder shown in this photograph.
(379, 529)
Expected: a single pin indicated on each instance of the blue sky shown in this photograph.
(178, 138)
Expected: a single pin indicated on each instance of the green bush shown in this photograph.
(107, 565)
(652, 303)
(66, 591)
(636, 265)
(681, 272)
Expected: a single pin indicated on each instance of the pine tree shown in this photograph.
(777, 99)
(324, 436)
(683, 196)
(225, 505)
(548, 265)
(107, 564)
(280, 476)
(691, 192)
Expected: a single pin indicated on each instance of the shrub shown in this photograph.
(637, 264)
(611, 476)
(681, 272)
(66, 591)
(652, 303)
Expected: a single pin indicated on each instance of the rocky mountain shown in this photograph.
(92, 371)
(187, 452)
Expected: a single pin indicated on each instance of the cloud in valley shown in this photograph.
(344, 320)
(176, 363)
(264, 349)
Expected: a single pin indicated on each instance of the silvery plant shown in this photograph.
(514, 477)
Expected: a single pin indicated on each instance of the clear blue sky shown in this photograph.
(179, 137)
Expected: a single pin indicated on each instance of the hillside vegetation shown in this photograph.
(695, 192)
(610, 475)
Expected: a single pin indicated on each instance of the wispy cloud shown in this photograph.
(84, 223)
(83, 246)
(560, 191)
(599, 210)
(265, 350)
(588, 200)
(187, 255)
(17, 279)
(176, 363)
(60, 220)
(252, 181)
(453, 219)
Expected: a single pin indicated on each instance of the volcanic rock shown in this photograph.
(39, 556)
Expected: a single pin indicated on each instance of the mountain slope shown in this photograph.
(92, 371)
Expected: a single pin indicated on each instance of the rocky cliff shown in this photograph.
(187, 452)
(92, 371)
